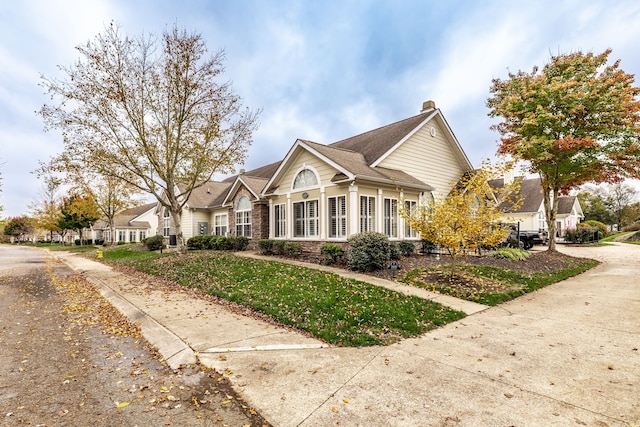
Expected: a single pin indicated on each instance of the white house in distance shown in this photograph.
(531, 214)
(131, 225)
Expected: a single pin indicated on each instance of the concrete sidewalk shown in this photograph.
(565, 355)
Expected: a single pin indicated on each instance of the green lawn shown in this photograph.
(340, 311)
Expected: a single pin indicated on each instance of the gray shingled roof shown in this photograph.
(565, 204)
(357, 164)
(125, 218)
(209, 194)
(265, 172)
(374, 143)
(532, 197)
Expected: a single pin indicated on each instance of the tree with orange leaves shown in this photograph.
(575, 121)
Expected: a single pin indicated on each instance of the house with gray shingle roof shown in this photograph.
(130, 225)
(531, 214)
(326, 193)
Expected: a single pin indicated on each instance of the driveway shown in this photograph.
(567, 354)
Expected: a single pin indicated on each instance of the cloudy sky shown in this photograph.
(319, 70)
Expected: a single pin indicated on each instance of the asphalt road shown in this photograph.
(67, 358)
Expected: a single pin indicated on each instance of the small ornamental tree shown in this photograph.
(574, 121)
(467, 219)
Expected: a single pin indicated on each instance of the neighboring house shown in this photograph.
(531, 213)
(327, 193)
(131, 225)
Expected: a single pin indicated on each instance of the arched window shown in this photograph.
(305, 178)
(243, 217)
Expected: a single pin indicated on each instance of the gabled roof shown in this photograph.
(375, 143)
(353, 157)
(127, 217)
(532, 197)
(255, 185)
(210, 194)
(566, 203)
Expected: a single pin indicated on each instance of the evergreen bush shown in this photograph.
(331, 252)
(154, 243)
(368, 251)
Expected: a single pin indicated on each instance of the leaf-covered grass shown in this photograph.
(499, 284)
(340, 311)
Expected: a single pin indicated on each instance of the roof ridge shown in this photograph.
(383, 126)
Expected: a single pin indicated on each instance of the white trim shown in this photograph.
(233, 190)
(436, 113)
(283, 165)
(298, 172)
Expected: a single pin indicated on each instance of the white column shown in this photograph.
(353, 210)
(323, 214)
(380, 212)
(289, 217)
(271, 219)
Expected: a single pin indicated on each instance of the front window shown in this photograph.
(166, 228)
(367, 213)
(132, 235)
(409, 207)
(542, 223)
(221, 223)
(305, 217)
(305, 178)
(122, 235)
(337, 217)
(280, 220)
(243, 217)
(143, 235)
(391, 217)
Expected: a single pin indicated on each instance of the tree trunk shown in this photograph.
(551, 208)
(176, 214)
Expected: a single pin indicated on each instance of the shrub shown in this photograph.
(292, 249)
(99, 242)
(238, 243)
(121, 242)
(154, 243)
(278, 247)
(197, 242)
(427, 247)
(394, 251)
(266, 246)
(602, 228)
(583, 233)
(76, 242)
(513, 254)
(331, 252)
(368, 252)
(407, 248)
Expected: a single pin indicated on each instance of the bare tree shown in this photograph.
(151, 113)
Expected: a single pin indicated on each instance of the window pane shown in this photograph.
(306, 178)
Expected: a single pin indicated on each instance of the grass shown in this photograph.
(68, 248)
(340, 311)
(516, 283)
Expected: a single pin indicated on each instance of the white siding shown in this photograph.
(429, 158)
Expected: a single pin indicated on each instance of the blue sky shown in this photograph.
(319, 70)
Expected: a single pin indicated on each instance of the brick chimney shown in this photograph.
(428, 106)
